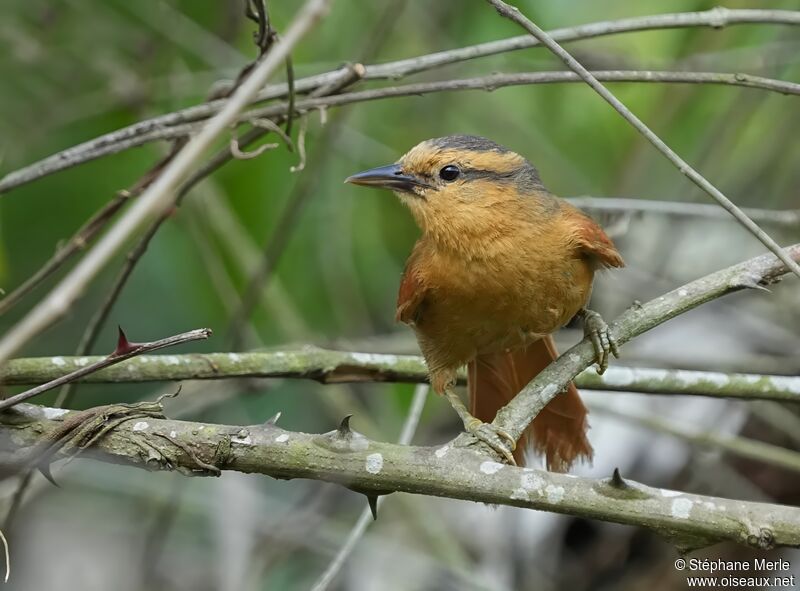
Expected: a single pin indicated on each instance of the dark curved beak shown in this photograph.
(387, 177)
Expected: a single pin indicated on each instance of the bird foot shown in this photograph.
(604, 344)
(493, 437)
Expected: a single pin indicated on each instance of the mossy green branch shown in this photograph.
(327, 366)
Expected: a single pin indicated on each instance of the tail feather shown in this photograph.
(559, 431)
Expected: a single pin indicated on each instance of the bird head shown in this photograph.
(449, 183)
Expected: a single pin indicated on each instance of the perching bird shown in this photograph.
(501, 264)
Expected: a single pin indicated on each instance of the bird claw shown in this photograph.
(493, 437)
(604, 344)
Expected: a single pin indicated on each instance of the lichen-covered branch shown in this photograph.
(327, 366)
(350, 459)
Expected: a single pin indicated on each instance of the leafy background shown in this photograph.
(77, 69)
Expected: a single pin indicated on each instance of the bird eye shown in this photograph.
(449, 172)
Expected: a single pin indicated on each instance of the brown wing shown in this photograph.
(412, 294)
(593, 242)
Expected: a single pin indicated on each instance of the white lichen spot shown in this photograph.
(788, 383)
(282, 438)
(141, 426)
(681, 508)
(172, 360)
(442, 451)
(716, 378)
(520, 494)
(374, 463)
(683, 293)
(173, 434)
(554, 493)
(54, 413)
(82, 361)
(143, 359)
(234, 357)
(530, 480)
(619, 376)
(59, 361)
(490, 467)
(665, 492)
(366, 358)
(549, 390)
(574, 357)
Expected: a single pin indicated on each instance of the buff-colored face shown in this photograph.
(454, 178)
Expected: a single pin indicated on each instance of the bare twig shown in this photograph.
(163, 127)
(788, 218)
(739, 446)
(159, 195)
(6, 555)
(357, 532)
(125, 350)
(717, 18)
(284, 228)
(515, 15)
(79, 240)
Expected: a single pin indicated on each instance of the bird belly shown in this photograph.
(492, 312)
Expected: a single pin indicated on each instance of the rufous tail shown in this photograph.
(559, 431)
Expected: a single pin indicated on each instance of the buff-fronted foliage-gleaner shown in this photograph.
(501, 265)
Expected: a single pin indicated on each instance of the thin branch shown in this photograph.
(406, 434)
(77, 242)
(284, 230)
(125, 350)
(716, 18)
(336, 367)
(513, 13)
(346, 457)
(788, 218)
(754, 273)
(739, 446)
(167, 127)
(160, 195)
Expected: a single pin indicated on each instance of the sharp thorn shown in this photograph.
(616, 479)
(344, 427)
(44, 468)
(123, 344)
(273, 419)
(373, 506)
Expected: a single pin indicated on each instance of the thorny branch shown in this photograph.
(125, 350)
(373, 468)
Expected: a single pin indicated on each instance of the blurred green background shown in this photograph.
(74, 70)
